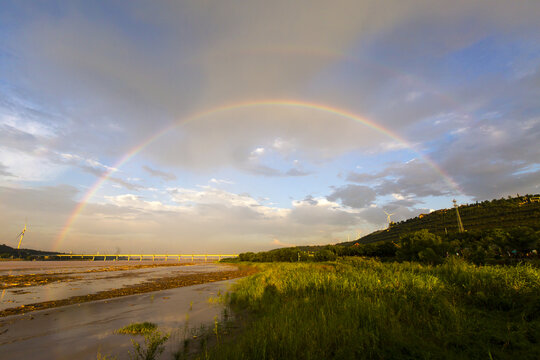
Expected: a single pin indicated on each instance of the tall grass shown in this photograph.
(364, 309)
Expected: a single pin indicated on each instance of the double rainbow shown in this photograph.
(243, 105)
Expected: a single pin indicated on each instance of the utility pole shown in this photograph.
(460, 224)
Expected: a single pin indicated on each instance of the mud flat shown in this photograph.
(24, 291)
(81, 330)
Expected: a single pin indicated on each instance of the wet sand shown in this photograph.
(82, 330)
(25, 267)
(96, 285)
(32, 276)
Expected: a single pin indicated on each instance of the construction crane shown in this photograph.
(20, 236)
(388, 218)
(459, 223)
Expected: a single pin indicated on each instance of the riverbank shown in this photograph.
(363, 309)
(83, 330)
(117, 280)
(25, 276)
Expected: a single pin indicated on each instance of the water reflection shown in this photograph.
(81, 278)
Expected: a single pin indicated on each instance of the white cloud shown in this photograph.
(214, 196)
(136, 202)
(398, 68)
(97, 164)
(81, 161)
(221, 181)
(31, 127)
(27, 166)
(284, 147)
(256, 154)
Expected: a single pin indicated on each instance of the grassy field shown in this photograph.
(364, 309)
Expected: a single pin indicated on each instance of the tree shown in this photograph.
(420, 246)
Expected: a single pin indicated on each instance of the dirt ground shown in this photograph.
(14, 281)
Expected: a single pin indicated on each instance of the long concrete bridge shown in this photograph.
(140, 257)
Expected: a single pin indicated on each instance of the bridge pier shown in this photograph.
(153, 257)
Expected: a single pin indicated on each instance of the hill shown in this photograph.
(498, 213)
(8, 252)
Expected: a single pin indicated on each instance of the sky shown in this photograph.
(231, 126)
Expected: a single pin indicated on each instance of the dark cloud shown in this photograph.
(355, 196)
(17, 139)
(310, 200)
(362, 177)
(409, 203)
(263, 170)
(98, 79)
(4, 172)
(101, 172)
(415, 178)
(160, 174)
(260, 169)
(317, 215)
(377, 216)
(296, 172)
(495, 157)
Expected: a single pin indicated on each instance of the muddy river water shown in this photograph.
(81, 330)
(27, 282)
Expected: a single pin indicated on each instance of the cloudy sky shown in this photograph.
(227, 126)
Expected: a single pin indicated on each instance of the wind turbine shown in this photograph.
(388, 218)
(20, 236)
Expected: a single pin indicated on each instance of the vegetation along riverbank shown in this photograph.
(365, 309)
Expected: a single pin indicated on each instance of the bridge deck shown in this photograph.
(142, 256)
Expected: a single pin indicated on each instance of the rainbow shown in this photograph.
(243, 105)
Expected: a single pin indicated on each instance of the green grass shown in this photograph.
(364, 309)
(137, 329)
(154, 340)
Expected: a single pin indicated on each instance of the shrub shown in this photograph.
(325, 255)
(421, 246)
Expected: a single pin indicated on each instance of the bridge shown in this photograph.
(140, 257)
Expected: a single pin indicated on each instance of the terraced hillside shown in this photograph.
(501, 213)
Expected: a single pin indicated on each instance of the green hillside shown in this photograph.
(501, 213)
